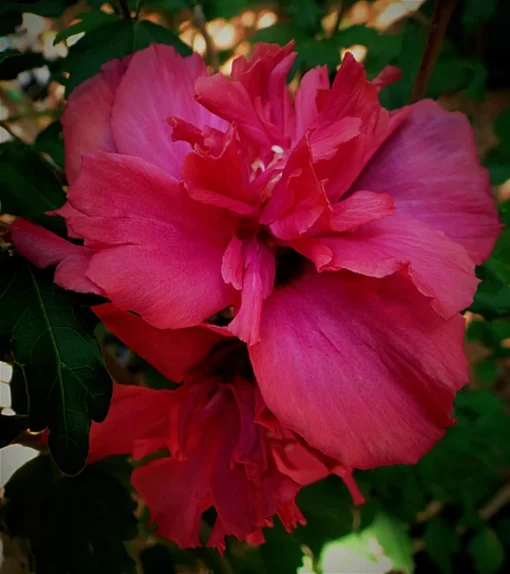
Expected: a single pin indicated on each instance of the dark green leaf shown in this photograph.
(487, 552)
(282, 552)
(74, 525)
(305, 13)
(477, 12)
(11, 427)
(28, 186)
(63, 368)
(51, 141)
(88, 21)
(487, 370)
(10, 67)
(10, 53)
(157, 559)
(441, 542)
(114, 40)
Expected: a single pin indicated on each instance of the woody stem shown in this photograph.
(442, 13)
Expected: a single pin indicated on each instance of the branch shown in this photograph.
(124, 9)
(199, 22)
(442, 14)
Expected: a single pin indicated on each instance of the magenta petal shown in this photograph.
(431, 170)
(173, 352)
(440, 268)
(158, 84)
(43, 248)
(176, 493)
(258, 280)
(359, 367)
(306, 98)
(359, 208)
(86, 120)
(161, 252)
(135, 412)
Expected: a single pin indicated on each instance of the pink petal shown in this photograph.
(440, 268)
(232, 101)
(387, 76)
(158, 83)
(359, 208)
(173, 352)
(351, 95)
(258, 281)
(43, 248)
(431, 170)
(162, 252)
(306, 106)
(298, 199)
(86, 120)
(359, 367)
(220, 180)
(176, 493)
(134, 412)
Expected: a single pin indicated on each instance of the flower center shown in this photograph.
(289, 265)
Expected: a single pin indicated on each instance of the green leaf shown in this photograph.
(74, 525)
(9, 53)
(492, 297)
(487, 551)
(305, 13)
(51, 142)
(63, 368)
(477, 12)
(327, 506)
(88, 21)
(396, 542)
(487, 370)
(28, 186)
(441, 542)
(111, 41)
(157, 559)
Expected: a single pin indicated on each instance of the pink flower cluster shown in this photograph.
(299, 263)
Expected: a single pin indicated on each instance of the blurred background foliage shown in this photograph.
(450, 513)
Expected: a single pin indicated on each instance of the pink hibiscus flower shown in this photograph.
(343, 236)
(227, 450)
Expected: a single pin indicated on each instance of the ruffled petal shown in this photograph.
(86, 120)
(135, 413)
(307, 111)
(173, 352)
(258, 280)
(431, 170)
(43, 248)
(141, 108)
(352, 96)
(440, 268)
(159, 252)
(176, 493)
(298, 199)
(359, 367)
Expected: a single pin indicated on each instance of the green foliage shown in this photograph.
(51, 341)
(441, 542)
(487, 552)
(29, 185)
(73, 525)
(113, 40)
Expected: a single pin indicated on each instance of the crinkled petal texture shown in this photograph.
(430, 169)
(362, 368)
(154, 248)
(125, 109)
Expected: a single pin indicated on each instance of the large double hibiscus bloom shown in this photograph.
(340, 238)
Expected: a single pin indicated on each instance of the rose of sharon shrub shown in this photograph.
(227, 450)
(343, 236)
